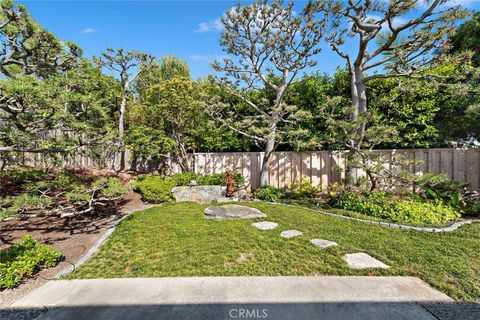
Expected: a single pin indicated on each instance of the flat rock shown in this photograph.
(321, 243)
(232, 211)
(265, 225)
(290, 234)
(362, 260)
(198, 194)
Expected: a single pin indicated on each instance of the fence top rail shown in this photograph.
(338, 151)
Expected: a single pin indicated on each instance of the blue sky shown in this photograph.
(188, 29)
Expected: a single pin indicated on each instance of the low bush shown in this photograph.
(22, 174)
(269, 193)
(24, 259)
(302, 189)
(381, 205)
(60, 192)
(219, 179)
(155, 188)
(30, 201)
(184, 178)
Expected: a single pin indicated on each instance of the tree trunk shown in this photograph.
(359, 102)
(121, 130)
(269, 148)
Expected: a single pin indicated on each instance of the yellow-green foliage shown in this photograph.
(24, 259)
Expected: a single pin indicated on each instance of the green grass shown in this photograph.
(175, 240)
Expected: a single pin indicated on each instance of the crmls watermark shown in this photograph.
(246, 313)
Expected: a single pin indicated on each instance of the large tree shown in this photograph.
(28, 49)
(394, 39)
(168, 68)
(37, 112)
(127, 65)
(467, 38)
(269, 44)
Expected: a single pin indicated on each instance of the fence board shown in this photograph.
(322, 168)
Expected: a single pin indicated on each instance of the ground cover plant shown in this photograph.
(23, 259)
(381, 205)
(176, 240)
(63, 192)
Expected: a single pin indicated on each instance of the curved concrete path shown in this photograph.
(234, 298)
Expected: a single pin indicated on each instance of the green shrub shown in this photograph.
(7, 213)
(21, 175)
(24, 259)
(380, 205)
(219, 179)
(111, 187)
(302, 190)
(472, 208)
(155, 188)
(269, 193)
(438, 187)
(27, 201)
(184, 178)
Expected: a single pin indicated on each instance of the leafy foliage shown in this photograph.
(303, 189)
(269, 193)
(379, 204)
(23, 259)
(155, 189)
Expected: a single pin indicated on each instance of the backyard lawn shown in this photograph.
(176, 240)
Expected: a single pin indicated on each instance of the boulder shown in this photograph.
(198, 194)
(232, 211)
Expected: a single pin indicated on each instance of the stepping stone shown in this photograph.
(265, 225)
(362, 260)
(320, 243)
(290, 234)
(232, 211)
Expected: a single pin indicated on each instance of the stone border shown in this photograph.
(450, 228)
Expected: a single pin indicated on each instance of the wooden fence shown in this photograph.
(320, 167)
(324, 167)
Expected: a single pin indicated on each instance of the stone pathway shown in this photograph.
(321, 243)
(232, 211)
(290, 234)
(361, 260)
(265, 225)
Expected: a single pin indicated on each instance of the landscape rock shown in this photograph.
(265, 225)
(362, 260)
(198, 194)
(321, 243)
(232, 211)
(290, 234)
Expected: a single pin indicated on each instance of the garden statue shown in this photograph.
(230, 182)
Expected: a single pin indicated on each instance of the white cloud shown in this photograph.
(88, 30)
(210, 26)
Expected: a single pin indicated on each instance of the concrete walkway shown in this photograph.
(235, 298)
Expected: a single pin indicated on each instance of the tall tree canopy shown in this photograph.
(128, 65)
(467, 38)
(269, 44)
(389, 45)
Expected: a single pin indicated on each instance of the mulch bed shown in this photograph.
(72, 237)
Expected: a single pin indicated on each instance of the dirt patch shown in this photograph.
(72, 237)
